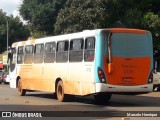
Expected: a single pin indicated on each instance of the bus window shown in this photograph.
(12, 58)
(76, 50)
(28, 54)
(62, 51)
(20, 55)
(89, 49)
(38, 53)
(49, 55)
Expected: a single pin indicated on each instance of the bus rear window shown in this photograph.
(130, 45)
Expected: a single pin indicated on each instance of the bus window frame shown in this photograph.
(41, 54)
(63, 52)
(50, 53)
(90, 49)
(72, 51)
(26, 54)
(23, 54)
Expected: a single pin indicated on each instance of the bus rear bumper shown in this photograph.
(101, 87)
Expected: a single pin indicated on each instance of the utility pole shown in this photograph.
(7, 42)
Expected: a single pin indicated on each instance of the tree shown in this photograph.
(50, 17)
(152, 23)
(88, 14)
(41, 15)
(81, 14)
(17, 31)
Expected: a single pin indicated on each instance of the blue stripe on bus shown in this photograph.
(98, 54)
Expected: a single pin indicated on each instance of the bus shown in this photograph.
(97, 62)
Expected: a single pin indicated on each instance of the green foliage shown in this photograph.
(152, 23)
(79, 15)
(17, 31)
(41, 15)
(50, 17)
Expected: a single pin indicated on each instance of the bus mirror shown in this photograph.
(110, 67)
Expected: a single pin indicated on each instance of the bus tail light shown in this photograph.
(150, 79)
(4, 76)
(101, 75)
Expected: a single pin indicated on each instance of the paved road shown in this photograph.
(119, 105)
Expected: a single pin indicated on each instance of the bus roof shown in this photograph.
(85, 33)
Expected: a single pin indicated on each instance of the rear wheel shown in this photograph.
(158, 88)
(60, 92)
(3, 81)
(102, 98)
(21, 91)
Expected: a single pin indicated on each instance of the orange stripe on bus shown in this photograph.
(15, 44)
(23, 43)
(32, 41)
(124, 30)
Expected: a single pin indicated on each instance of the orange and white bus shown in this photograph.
(93, 62)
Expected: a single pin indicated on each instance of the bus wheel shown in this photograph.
(21, 91)
(60, 92)
(158, 88)
(102, 98)
(154, 87)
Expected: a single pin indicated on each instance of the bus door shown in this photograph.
(128, 59)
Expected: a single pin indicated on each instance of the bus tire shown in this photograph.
(154, 88)
(158, 88)
(60, 91)
(102, 98)
(21, 91)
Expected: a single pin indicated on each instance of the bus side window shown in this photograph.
(49, 56)
(28, 54)
(20, 55)
(62, 51)
(76, 50)
(38, 53)
(89, 49)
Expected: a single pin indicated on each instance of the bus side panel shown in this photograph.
(73, 84)
(87, 83)
(35, 79)
(31, 76)
(81, 78)
(49, 76)
(25, 72)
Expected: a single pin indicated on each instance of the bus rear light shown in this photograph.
(4, 76)
(150, 79)
(101, 75)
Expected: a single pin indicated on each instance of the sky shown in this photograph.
(10, 6)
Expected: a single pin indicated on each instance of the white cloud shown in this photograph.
(11, 7)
